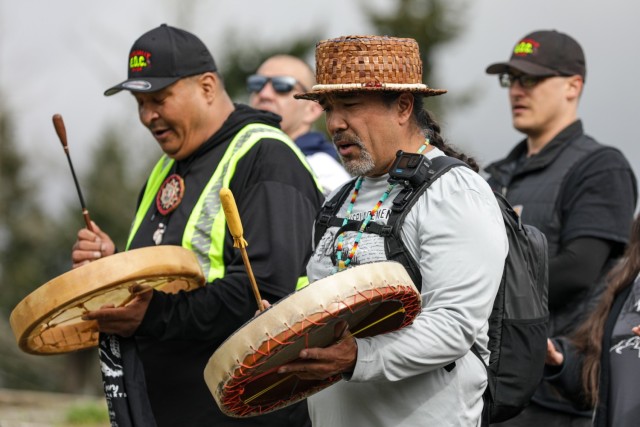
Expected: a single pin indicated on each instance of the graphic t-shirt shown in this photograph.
(625, 364)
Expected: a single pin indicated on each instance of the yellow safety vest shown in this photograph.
(206, 226)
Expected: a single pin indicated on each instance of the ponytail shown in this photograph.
(430, 128)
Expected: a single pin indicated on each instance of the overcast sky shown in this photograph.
(59, 56)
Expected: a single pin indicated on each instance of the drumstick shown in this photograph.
(58, 124)
(235, 227)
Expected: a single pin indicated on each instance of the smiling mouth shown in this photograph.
(160, 133)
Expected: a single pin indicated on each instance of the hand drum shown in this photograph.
(372, 298)
(48, 321)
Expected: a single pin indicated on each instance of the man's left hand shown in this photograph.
(123, 320)
(321, 363)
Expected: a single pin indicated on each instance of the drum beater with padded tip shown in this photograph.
(58, 124)
(235, 227)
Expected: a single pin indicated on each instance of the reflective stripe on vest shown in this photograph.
(206, 227)
(303, 282)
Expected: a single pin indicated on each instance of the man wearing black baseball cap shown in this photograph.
(163, 56)
(544, 54)
(579, 193)
(209, 143)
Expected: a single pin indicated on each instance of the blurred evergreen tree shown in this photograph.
(35, 248)
(24, 228)
(433, 24)
(26, 234)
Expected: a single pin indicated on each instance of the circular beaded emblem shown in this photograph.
(170, 194)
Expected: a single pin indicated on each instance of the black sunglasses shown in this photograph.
(281, 84)
(527, 82)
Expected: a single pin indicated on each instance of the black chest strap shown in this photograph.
(395, 249)
(326, 217)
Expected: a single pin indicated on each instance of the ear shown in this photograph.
(404, 107)
(210, 84)
(574, 87)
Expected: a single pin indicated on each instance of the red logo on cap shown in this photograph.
(139, 60)
(526, 47)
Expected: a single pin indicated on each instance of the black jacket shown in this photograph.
(573, 188)
(277, 200)
(567, 378)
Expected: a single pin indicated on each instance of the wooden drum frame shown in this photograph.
(48, 321)
(242, 373)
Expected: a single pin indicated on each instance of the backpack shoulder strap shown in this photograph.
(403, 203)
(408, 196)
(391, 231)
(327, 215)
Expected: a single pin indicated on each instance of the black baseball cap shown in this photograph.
(161, 57)
(544, 53)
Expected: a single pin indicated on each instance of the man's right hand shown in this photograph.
(90, 246)
(265, 304)
(554, 357)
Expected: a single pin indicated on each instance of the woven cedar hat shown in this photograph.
(368, 63)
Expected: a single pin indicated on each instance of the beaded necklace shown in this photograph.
(343, 264)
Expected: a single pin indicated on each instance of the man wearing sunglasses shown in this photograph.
(580, 193)
(272, 89)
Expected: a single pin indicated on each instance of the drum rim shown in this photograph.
(218, 381)
(38, 306)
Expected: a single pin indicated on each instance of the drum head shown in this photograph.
(372, 298)
(48, 321)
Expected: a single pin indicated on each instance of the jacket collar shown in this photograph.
(315, 142)
(545, 157)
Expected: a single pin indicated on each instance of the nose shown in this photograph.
(267, 91)
(335, 122)
(516, 91)
(147, 114)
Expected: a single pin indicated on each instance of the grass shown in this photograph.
(87, 414)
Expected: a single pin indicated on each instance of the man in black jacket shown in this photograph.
(209, 143)
(579, 193)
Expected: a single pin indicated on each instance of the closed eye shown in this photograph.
(326, 107)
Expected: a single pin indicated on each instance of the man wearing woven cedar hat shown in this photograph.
(579, 193)
(372, 92)
(208, 143)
